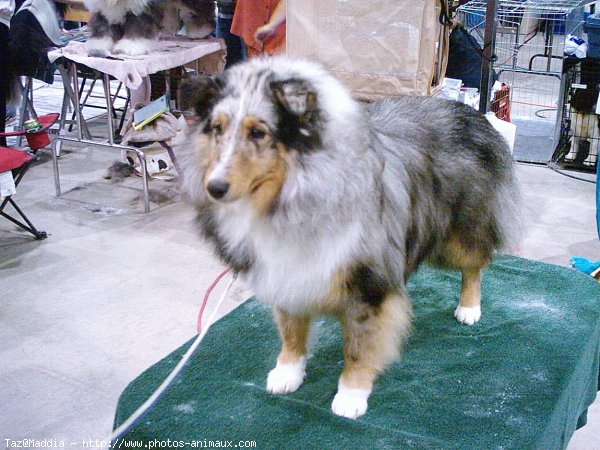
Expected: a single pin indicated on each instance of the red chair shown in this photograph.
(18, 161)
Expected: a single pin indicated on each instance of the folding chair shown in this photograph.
(18, 162)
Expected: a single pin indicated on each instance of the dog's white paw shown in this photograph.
(466, 315)
(133, 47)
(286, 378)
(590, 160)
(99, 47)
(572, 153)
(350, 403)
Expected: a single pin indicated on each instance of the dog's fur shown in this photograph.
(132, 26)
(326, 206)
(585, 125)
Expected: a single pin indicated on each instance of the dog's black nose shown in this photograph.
(217, 188)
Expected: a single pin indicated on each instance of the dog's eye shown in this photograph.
(257, 134)
(217, 128)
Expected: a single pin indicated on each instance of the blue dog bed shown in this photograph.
(521, 378)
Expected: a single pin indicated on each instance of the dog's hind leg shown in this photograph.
(594, 134)
(468, 310)
(288, 374)
(460, 255)
(578, 125)
(372, 339)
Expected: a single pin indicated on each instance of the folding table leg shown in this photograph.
(68, 84)
(144, 169)
(56, 145)
(109, 108)
(61, 124)
(25, 91)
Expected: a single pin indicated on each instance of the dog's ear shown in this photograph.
(197, 96)
(299, 121)
(296, 97)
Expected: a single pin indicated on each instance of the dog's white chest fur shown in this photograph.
(291, 269)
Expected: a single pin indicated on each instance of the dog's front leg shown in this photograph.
(103, 36)
(288, 374)
(372, 339)
(139, 37)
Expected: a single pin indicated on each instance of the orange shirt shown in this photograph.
(251, 14)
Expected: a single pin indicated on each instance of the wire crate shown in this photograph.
(579, 140)
(530, 40)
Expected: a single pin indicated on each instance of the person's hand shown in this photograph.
(264, 32)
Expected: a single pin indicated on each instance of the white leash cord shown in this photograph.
(125, 426)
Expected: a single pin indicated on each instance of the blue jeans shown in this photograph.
(236, 49)
(4, 78)
(598, 197)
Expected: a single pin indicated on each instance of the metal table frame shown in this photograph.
(68, 71)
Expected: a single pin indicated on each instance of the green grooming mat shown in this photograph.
(521, 378)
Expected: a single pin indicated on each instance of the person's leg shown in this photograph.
(4, 78)
(235, 50)
(11, 111)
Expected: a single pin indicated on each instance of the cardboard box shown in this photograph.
(377, 48)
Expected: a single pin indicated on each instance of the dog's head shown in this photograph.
(251, 127)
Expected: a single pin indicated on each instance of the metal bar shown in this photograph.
(29, 104)
(23, 110)
(85, 99)
(440, 55)
(76, 102)
(123, 113)
(56, 146)
(142, 158)
(167, 75)
(140, 155)
(489, 44)
(99, 144)
(559, 111)
(109, 108)
(71, 95)
(550, 48)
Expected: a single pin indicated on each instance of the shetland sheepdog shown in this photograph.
(325, 205)
(585, 124)
(132, 26)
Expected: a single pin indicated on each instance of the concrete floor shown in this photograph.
(113, 290)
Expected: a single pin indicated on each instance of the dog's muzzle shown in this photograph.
(217, 188)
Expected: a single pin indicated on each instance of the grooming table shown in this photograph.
(521, 378)
(130, 70)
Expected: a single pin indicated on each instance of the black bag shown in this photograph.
(28, 46)
(464, 58)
